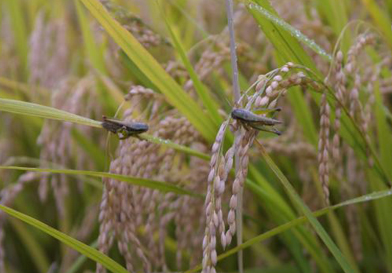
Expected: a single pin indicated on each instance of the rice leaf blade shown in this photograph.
(137, 181)
(345, 265)
(154, 72)
(37, 110)
(298, 221)
(281, 212)
(86, 250)
(380, 19)
(201, 90)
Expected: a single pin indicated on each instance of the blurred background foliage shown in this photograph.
(170, 60)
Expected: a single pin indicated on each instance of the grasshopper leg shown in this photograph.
(273, 111)
(122, 133)
(265, 129)
(121, 136)
(138, 137)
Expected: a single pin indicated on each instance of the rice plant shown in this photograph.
(195, 136)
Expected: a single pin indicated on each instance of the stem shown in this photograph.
(233, 55)
(236, 98)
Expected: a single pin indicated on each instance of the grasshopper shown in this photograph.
(258, 122)
(124, 129)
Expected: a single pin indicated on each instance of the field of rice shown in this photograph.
(195, 136)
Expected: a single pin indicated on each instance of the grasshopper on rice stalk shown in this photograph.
(124, 129)
(257, 122)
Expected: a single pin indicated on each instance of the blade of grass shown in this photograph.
(152, 69)
(148, 183)
(381, 211)
(36, 110)
(353, 135)
(380, 18)
(383, 132)
(289, 50)
(298, 221)
(23, 88)
(175, 146)
(93, 51)
(95, 54)
(80, 247)
(303, 115)
(193, 21)
(95, 152)
(19, 30)
(341, 239)
(135, 71)
(32, 109)
(295, 248)
(298, 35)
(201, 90)
(80, 261)
(115, 92)
(281, 212)
(283, 215)
(35, 248)
(305, 210)
(285, 43)
(24, 160)
(335, 13)
(383, 207)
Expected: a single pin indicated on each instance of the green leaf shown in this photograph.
(201, 90)
(335, 13)
(75, 268)
(21, 88)
(148, 183)
(17, 16)
(153, 71)
(289, 50)
(293, 31)
(383, 132)
(296, 222)
(86, 250)
(175, 146)
(383, 208)
(285, 43)
(32, 109)
(305, 210)
(24, 160)
(303, 114)
(91, 49)
(281, 212)
(381, 211)
(135, 71)
(36, 110)
(341, 239)
(380, 18)
(35, 247)
(91, 148)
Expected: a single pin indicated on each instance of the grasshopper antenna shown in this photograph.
(118, 109)
(230, 103)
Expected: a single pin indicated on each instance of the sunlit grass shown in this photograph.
(54, 91)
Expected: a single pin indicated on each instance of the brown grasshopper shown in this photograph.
(258, 122)
(124, 129)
